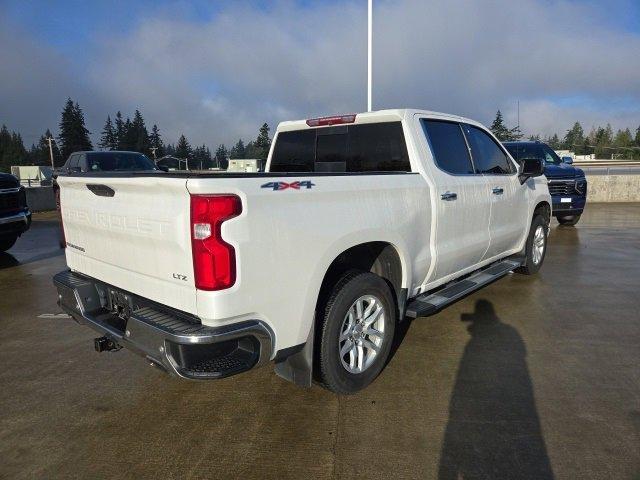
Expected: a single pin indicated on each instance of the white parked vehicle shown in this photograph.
(358, 222)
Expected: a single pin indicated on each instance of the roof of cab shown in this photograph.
(382, 116)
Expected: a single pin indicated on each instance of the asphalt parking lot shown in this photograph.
(532, 377)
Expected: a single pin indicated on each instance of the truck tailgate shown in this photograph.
(133, 233)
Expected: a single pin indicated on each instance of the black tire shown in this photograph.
(530, 266)
(7, 241)
(568, 220)
(349, 289)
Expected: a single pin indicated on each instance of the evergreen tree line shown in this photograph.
(120, 134)
(601, 141)
(133, 135)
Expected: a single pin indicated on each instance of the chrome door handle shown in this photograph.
(498, 191)
(449, 196)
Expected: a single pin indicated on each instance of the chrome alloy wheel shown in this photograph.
(361, 334)
(538, 245)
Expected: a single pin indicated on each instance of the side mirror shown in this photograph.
(164, 168)
(529, 168)
(567, 160)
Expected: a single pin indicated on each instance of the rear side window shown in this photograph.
(375, 147)
(448, 146)
(488, 157)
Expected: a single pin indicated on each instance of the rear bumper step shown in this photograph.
(430, 303)
(173, 340)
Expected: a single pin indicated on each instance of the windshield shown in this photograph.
(118, 161)
(520, 151)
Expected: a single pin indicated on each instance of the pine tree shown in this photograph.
(574, 138)
(108, 139)
(119, 127)
(12, 151)
(554, 142)
(73, 136)
(155, 142)
(238, 150)
(263, 142)
(183, 149)
(499, 129)
(128, 140)
(140, 135)
(637, 140)
(222, 156)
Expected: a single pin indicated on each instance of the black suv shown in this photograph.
(567, 184)
(15, 217)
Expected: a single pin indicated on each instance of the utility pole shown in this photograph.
(370, 56)
(49, 141)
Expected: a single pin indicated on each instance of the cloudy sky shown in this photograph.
(215, 70)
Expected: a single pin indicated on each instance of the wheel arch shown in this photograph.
(379, 257)
(543, 208)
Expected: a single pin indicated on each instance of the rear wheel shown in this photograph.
(7, 241)
(356, 332)
(536, 246)
(569, 220)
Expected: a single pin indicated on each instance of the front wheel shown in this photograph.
(356, 332)
(569, 220)
(6, 242)
(536, 246)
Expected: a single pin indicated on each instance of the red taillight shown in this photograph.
(335, 120)
(214, 260)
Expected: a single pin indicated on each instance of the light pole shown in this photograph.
(49, 140)
(370, 56)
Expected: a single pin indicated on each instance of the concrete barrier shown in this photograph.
(613, 188)
(40, 199)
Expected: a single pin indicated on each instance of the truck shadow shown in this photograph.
(493, 429)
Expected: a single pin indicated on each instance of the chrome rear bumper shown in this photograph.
(174, 340)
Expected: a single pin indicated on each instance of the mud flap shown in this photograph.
(298, 367)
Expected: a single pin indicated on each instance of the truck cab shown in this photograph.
(567, 184)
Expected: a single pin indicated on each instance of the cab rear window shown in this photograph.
(374, 147)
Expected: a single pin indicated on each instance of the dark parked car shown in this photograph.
(15, 217)
(567, 184)
(111, 161)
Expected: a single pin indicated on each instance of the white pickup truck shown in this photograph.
(359, 222)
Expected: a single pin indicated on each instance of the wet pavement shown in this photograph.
(532, 377)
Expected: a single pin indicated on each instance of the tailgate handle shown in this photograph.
(101, 190)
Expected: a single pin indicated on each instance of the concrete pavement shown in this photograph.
(531, 377)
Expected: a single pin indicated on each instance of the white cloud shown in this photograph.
(217, 80)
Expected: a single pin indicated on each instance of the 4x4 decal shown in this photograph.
(297, 185)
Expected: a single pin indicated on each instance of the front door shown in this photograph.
(462, 209)
(508, 198)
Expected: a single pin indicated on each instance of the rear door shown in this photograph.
(132, 232)
(508, 198)
(462, 209)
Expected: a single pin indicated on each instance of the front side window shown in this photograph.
(448, 146)
(551, 157)
(375, 147)
(73, 161)
(520, 151)
(488, 157)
